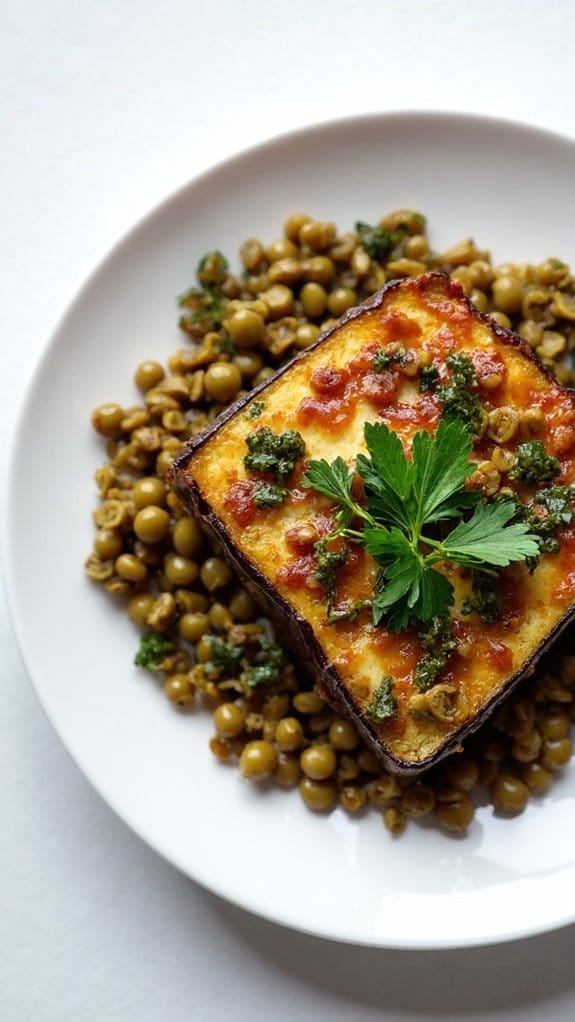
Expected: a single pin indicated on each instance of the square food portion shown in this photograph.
(417, 651)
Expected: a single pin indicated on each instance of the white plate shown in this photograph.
(511, 188)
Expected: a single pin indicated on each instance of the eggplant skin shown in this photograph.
(294, 628)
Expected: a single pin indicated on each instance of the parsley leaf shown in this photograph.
(333, 480)
(387, 475)
(441, 465)
(435, 595)
(400, 578)
(388, 458)
(385, 546)
(488, 539)
(404, 497)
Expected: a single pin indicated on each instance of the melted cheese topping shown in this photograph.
(328, 395)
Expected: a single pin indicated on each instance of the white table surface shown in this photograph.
(105, 108)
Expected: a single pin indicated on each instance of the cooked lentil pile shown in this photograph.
(203, 635)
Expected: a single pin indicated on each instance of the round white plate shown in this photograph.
(511, 188)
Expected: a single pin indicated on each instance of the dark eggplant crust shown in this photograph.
(292, 630)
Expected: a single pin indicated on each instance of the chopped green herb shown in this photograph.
(549, 510)
(457, 399)
(484, 599)
(206, 304)
(383, 359)
(428, 378)
(384, 704)
(153, 648)
(255, 410)
(273, 453)
(547, 545)
(544, 515)
(267, 665)
(402, 498)
(269, 495)
(224, 658)
(533, 464)
(347, 613)
(439, 644)
(207, 307)
(327, 564)
(461, 365)
(378, 242)
(428, 670)
(437, 635)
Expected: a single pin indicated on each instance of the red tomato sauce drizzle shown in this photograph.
(422, 413)
(565, 590)
(337, 391)
(299, 573)
(499, 655)
(239, 501)
(487, 363)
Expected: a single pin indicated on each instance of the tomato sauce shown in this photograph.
(498, 655)
(239, 501)
(423, 413)
(299, 574)
(395, 327)
(512, 597)
(328, 381)
(487, 363)
(363, 361)
(442, 344)
(332, 414)
(565, 590)
(337, 391)
(379, 389)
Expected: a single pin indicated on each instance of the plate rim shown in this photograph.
(381, 120)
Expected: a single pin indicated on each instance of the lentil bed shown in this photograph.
(156, 560)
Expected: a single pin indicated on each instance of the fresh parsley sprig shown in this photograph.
(404, 499)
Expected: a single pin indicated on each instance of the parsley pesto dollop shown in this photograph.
(272, 453)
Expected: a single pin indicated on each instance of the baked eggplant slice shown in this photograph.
(416, 355)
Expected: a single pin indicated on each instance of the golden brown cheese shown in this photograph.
(327, 394)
